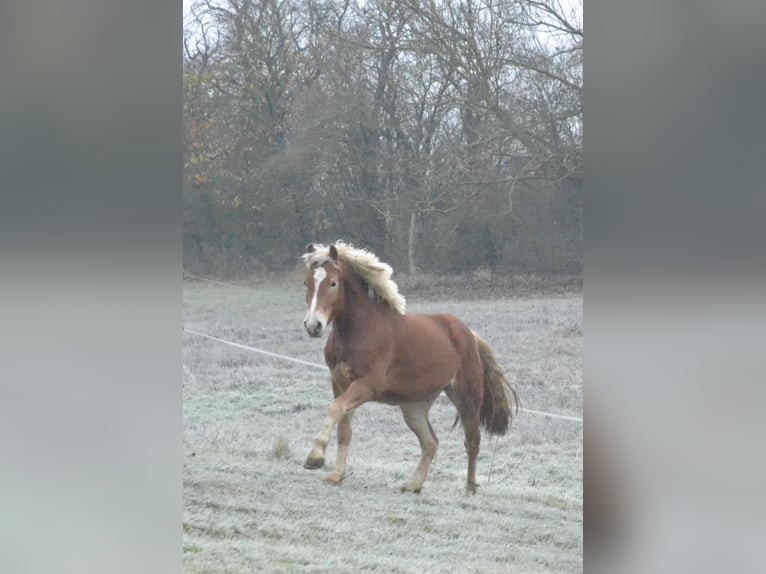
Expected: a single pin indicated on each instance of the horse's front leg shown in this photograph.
(344, 434)
(344, 439)
(357, 394)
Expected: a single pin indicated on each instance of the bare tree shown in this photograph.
(395, 123)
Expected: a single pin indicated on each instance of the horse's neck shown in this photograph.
(358, 310)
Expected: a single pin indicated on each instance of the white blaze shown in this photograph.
(319, 276)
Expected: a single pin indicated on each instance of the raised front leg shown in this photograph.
(416, 417)
(357, 394)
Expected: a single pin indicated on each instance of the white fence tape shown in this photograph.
(324, 368)
(261, 351)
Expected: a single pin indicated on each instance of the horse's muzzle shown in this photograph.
(314, 328)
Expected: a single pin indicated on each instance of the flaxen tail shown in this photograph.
(495, 414)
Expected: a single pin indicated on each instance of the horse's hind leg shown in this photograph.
(416, 417)
(472, 442)
(469, 417)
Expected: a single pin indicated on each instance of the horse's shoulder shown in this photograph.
(329, 351)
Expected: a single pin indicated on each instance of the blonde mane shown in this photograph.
(375, 273)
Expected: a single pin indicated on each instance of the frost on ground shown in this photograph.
(250, 506)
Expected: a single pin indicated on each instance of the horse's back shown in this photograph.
(441, 339)
(458, 333)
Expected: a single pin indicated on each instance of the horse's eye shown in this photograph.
(333, 284)
(305, 284)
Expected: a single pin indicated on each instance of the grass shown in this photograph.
(249, 505)
(281, 448)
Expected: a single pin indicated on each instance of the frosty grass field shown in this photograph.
(250, 506)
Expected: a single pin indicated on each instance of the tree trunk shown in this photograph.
(415, 228)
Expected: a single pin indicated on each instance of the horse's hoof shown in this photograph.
(470, 490)
(407, 487)
(313, 463)
(334, 478)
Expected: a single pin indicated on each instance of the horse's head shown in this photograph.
(324, 293)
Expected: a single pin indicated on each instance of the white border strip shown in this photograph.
(324, 368)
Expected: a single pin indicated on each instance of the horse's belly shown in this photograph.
(412, 383)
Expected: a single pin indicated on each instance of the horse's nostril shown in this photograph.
(314, 329)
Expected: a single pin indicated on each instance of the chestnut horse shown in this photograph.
(376, 352)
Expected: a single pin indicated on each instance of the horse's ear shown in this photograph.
(310, 248)
(333, 253)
